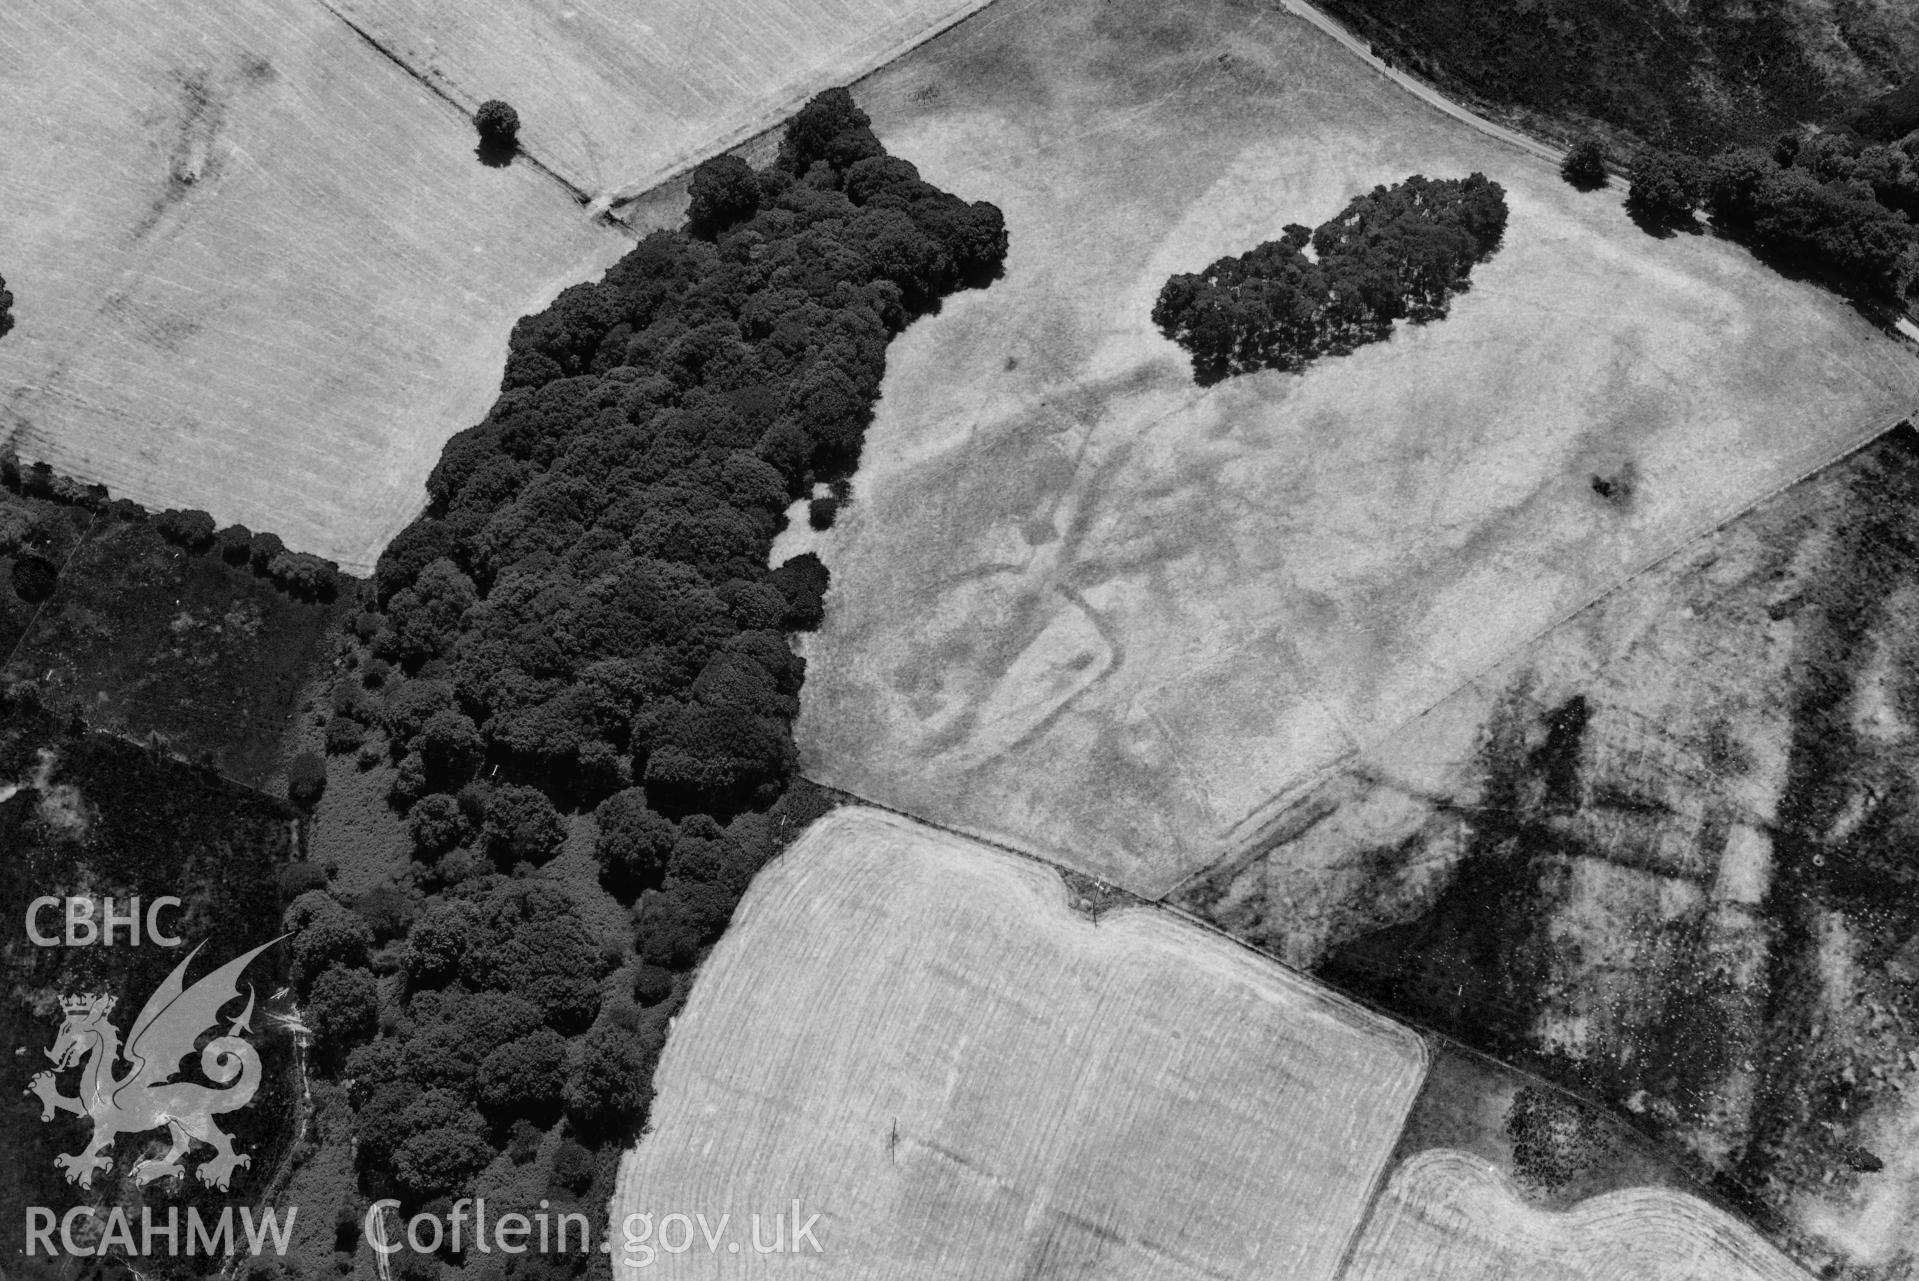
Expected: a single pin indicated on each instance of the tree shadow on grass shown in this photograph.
(496, 153)
(1664, 226)
(1876, 309)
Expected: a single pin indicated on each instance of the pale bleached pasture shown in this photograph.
(257, 268)
(1086, 608)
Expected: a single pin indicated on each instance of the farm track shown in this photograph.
(1418, 88)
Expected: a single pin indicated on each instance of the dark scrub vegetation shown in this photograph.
(1690, 77)
(159, 625)
(99, 817)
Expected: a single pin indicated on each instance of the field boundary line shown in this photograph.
(580, 197)
(1068, 875)
(1244, 836)
(1431, 1039)
(769, 119)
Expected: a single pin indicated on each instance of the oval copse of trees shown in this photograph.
(1395, 253)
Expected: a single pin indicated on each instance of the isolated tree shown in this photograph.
(235, 543)
(436, 824)
(450, 744)
(263, 550)
(306, 779)
(344, 735)
(1585, 164)
(1666, 188)
(803, 580)
(525, 1076)
(343, 1007)
(437, 945)
(387, 910)
(6, 308)
(409, 780)
(305, 575)
(325, 933)
(610, 1085)
(522, 825)
(498, 124)
(573, 1167)
(724, 191)
(829, 128)
(410, 705)
(192, 530)
(634, 843)
(652, 984)
(445, 1144)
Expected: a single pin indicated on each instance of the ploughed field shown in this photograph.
(257, 267)
(1446, 1216)
(919, 1041)
(1086, 608)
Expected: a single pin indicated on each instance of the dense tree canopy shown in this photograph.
(1395, 253)
(1666, 188)
(584, 619)
(497, 121)
(1585, 164)
(724, 191)
(1831, 203)
(325, 932)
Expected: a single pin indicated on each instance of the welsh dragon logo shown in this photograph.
(145, 1097)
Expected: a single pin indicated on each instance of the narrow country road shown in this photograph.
(1419, 88)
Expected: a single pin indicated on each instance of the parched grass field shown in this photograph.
(1448, 1216)
(916, 1039)
(257, 267)
(1085, 608)
(617, 95)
